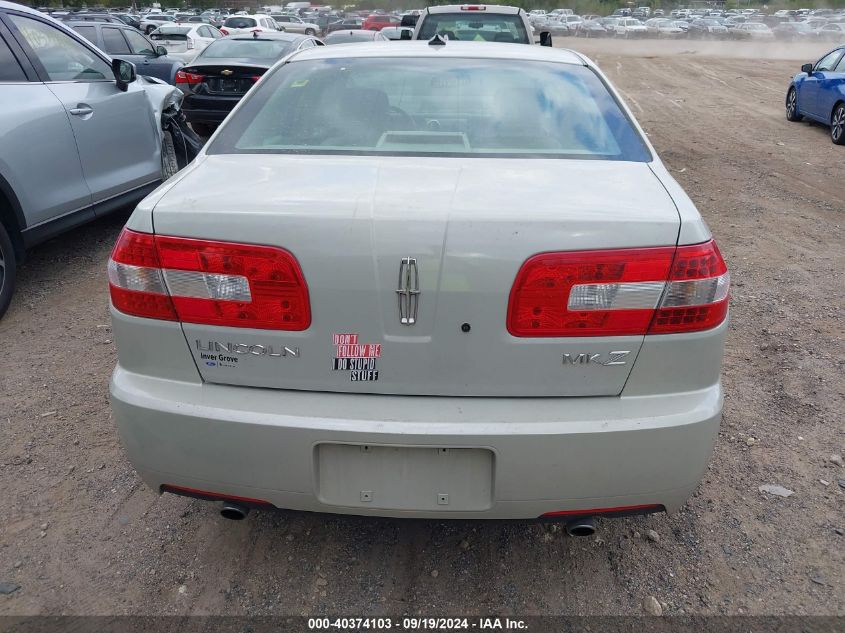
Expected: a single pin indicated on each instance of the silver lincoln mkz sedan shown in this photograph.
(397, 312)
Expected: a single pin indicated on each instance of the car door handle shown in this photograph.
(81, 110)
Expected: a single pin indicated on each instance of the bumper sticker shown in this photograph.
(359, 359)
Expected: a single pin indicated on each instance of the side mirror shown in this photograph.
(545, 38)
(124, 73)
(405, 34)
(807, 68)
(161, 51)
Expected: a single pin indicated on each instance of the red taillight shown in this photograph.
(696, 297)
(135, 280)
(541, 295)
(473, 7)
(185, 77)
(223, 30)
(212, 283)
(619, 292)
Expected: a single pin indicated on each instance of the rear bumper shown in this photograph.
(208, 109)
(548, 454)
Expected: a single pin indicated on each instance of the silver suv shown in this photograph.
(80, 136)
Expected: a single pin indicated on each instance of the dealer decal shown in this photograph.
(359, 359)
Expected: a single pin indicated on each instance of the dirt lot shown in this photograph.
(82, 535)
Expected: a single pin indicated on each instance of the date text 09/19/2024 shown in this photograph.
(418, 624)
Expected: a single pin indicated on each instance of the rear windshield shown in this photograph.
(424, 107)
(240, 23)
(493, 27)
(349, 36)
(173, 30)
(250, 49)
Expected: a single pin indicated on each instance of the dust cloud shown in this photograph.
(802, 52)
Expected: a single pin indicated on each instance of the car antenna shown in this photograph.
(437, 40)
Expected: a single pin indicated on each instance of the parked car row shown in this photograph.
(698, 25)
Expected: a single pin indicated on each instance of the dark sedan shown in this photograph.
(124, 42)
(709, 28)
(226, 69)
(347, 24)
(129, 19)
(590, 28)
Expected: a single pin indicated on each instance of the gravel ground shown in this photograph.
(82, 535)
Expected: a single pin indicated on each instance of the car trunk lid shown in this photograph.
(173, 42)
(354, 224)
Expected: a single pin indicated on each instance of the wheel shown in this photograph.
(8, 270)
(150, 29)
(310, 32)
(169, 164)
(792, 106)
(203, 129)
(837, 124)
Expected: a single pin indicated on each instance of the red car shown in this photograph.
(378, 22)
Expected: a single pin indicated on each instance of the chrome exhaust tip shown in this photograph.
(233, 511)
(581, 527)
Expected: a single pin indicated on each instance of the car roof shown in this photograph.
(119, 25)
(358, 33)
(422, 49)
(181, 25)
(488, 8)
(268, 35)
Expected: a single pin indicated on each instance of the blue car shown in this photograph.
(818, 93)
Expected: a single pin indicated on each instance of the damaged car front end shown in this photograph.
(179, 143)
